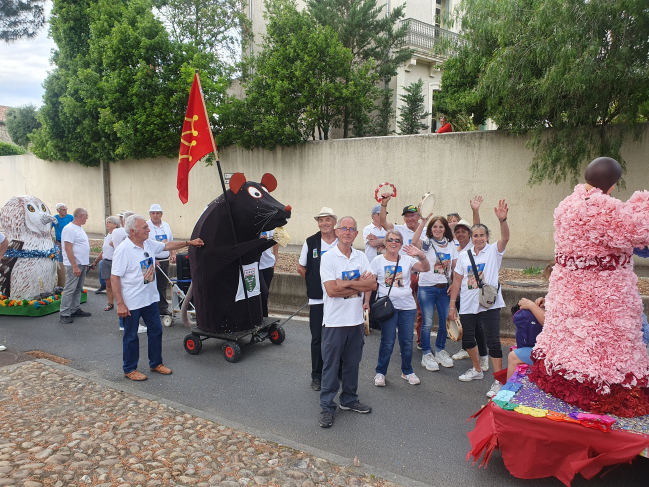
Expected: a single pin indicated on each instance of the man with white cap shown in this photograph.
(309, 268)
(161, 232)
(373, 235)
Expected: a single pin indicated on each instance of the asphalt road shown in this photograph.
(415, 431)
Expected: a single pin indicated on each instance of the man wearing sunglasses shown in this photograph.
(345, 276)
(133, 280)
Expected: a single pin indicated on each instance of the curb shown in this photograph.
(344, 461)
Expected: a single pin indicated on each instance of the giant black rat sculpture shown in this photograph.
(215, 267)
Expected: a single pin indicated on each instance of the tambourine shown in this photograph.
(366, 317)
(383, 189)
(454, 329)
(426, 205)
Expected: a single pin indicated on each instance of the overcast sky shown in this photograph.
(23, 68)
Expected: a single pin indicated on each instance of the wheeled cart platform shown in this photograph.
(270, 329)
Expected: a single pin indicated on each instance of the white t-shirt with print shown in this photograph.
(324, 248)
(407, 236)
(371, 252)
(488, 263)
(107, 250)
(137, 272)
(401, 294)
(119, 235)
(267, 257)
(80, 245)
(348, 311)
(2, 238)
(160, 234)
(468, 246)
(437, 266)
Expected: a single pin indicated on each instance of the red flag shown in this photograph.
(196, 139)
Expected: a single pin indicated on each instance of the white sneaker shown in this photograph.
(2, 348)
(379, 380)
(444, 359)
(433, 334)
(121, 328)
(495, 388)
(428, 361)
(484, 363)
(471, 374)
(412, 379)
(460, 355)
(141, 329)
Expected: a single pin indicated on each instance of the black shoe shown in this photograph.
(356, 406)
(315, 384)
(100, 290)
(326, 419)
(81, 313)
(66, 320)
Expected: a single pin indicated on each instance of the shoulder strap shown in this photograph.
(475, 269)
(396, 267)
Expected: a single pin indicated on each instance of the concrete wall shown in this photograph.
(342, 174)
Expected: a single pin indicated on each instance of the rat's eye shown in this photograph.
(254, 192)
(31, 208)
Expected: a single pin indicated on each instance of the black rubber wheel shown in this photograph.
(231, 351)
(276, 335)
(193, 344)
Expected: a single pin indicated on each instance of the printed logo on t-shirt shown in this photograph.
(389, 272)
(148, 270)
(443, 265)
(161, 238)
(315, 253)
(472, 283)
(354, 275)
(250, 279)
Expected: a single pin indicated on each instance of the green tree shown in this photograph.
(296, 89)
(220, 27)
(20, 123)
(120, 86)
(414, 111)
(369, 34)
(7, 149)
(573, 66)
(21, 18)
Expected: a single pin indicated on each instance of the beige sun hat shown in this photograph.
(463, 223)
(325, 212)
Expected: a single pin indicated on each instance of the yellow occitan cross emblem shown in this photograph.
(193, 142)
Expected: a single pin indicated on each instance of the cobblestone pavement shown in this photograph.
(59, 429)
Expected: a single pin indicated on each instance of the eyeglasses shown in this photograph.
(347, 229)
(397, 240)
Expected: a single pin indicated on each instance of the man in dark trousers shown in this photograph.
(309, 268)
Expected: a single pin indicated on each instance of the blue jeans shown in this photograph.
(430, 297)
(131, 343)
(403, 319)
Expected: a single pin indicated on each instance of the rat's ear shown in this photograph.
(236, 181)
(269, 181)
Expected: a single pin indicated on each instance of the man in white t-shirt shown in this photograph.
(373, 235)
(308, 267)
(267, 270)
(161, 232)
(345, 274)
(133, 280)
(411, 219)
(4, 244)
(76, 259)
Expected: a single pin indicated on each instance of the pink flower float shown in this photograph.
(590, 352)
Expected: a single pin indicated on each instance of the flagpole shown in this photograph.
(225, 197)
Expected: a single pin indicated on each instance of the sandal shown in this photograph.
(109, 307)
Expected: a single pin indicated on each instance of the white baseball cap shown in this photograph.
(155, 207)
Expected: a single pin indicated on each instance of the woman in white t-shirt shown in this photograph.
(387, 272)
(488, 258)
(434, 287)
(106, 258)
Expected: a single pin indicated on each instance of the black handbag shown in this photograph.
(382, 309)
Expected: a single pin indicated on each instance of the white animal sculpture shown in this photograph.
(27, 220)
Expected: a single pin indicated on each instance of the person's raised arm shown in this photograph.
(423, 265)
(383, 216)
(416, 238)
(501, 213)
(475, 208)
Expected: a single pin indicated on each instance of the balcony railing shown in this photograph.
(427, 36)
